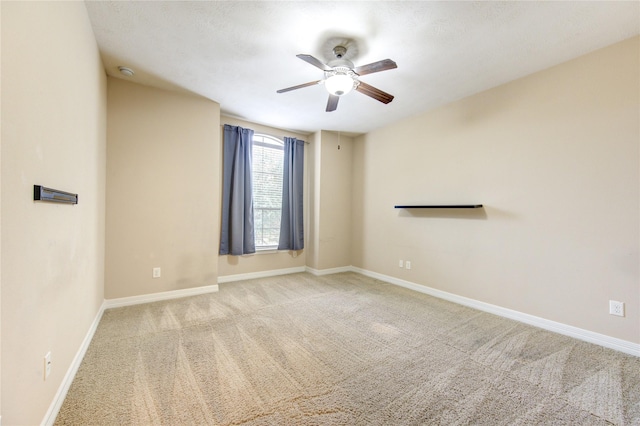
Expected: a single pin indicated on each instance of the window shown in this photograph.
(267, 168)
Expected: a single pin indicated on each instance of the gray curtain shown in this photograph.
(291, 226)
(237, 233)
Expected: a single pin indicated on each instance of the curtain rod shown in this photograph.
(223, 124)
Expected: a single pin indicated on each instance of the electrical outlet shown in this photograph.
(47, 365)
(156, 273)
(616, 308)
(401, 264)
(407, 264)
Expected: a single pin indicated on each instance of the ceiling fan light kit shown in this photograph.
(340, 83)
(341, 77)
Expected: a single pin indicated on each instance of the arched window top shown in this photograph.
(267, 141)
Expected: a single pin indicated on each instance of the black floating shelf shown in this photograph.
(441, 206)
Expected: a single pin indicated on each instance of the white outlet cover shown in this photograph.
(616, 308)
(156, 273)
(407, 264)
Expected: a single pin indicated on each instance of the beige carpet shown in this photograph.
(342, 349)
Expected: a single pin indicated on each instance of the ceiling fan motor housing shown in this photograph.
(341, 63)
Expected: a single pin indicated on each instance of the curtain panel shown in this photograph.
(237, 236)
(291, 224)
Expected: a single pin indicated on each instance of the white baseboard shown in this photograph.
(320, 272)
(261, 274)
(557, 327)
(61, 394)
(155, 297)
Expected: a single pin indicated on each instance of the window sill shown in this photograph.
(267, 250)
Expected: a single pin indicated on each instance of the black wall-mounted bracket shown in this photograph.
(40, 193)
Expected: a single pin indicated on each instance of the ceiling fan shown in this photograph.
(340, 77)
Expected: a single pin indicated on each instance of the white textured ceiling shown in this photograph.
(239, 53)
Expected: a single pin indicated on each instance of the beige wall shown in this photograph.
(333, 237)
(313, 212)
(0, 224)
(53, 134)
(162, 190)
(554, 157)
(271, 260)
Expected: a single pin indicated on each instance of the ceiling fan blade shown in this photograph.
(299, 86)
(315, 62)
(332, 103)
(385, 64)
(375, 93)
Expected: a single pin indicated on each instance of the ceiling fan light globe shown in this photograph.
(339, 84)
